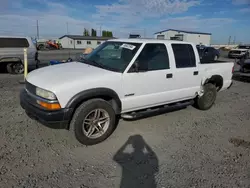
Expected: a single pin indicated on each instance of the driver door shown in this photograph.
(148, 81)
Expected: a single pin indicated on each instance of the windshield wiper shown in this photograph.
(91, 62)
(94, 63)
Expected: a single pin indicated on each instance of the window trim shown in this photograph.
(129, 70)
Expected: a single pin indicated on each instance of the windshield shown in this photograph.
(114, 56)
(244, 47)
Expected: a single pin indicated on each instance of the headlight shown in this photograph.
(45, 94)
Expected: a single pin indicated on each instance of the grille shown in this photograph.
(30, 87)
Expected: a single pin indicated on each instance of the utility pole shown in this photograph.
(100, 31)
(229, 40)
(67, 27)
(37, 29)
(67, 24)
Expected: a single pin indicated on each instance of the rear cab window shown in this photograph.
(184, 55)
(13, 42)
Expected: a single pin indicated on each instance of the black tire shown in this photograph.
(207, 100)
(82, 112)
(18, 68)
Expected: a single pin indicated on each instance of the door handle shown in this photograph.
(196, 72)
(170, 75)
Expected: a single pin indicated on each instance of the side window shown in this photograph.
(14, 43)
(184, 55)
(211, 50)
(153, 57)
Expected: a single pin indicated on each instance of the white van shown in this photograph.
(12, 54)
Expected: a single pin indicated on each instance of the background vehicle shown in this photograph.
(244, 64)
(49, 45)
(128, 78)
(208, 54)
(240, 51)
(12, 54)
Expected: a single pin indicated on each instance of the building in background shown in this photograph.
(134, 36)
(81, 42)
(187, 36)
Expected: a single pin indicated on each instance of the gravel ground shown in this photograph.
(189, 148)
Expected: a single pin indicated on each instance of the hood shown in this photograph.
(56, 76)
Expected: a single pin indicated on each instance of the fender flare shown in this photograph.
(96, 93)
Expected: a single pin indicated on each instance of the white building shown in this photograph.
(188, 36)
(81, 42)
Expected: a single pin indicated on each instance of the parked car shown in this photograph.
(240, 51)
(89, 96)
(208, 54)
(244, 65)
(12, 53)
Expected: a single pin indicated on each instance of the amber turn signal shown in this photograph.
(49, 106)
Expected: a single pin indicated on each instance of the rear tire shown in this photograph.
(207, 100)
(96, 116)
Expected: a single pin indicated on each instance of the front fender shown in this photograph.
(94, 93)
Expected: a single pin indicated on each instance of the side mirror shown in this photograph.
(135, 67)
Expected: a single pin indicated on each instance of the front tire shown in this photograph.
(18, 68)
(93, 122)
(207, 100)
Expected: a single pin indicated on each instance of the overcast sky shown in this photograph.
(222, 18)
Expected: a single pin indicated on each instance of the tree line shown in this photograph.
(93, 33)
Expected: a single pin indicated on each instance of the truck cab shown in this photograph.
(124, 78)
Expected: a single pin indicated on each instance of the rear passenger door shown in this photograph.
(186, 74)
(150, 83)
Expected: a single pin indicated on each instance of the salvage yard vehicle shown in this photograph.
(208, 54)
(240, 51)
(12, 54)
(144, 76)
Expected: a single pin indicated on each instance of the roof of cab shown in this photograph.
(148, 40)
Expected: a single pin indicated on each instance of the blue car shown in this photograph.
(208, 54)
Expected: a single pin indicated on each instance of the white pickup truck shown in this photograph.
(125, 78)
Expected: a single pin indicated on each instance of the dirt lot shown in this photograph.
(190, 148)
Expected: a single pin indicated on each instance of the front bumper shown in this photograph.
(58, 119)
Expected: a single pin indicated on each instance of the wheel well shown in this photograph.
(217, 80)
(7, 60)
